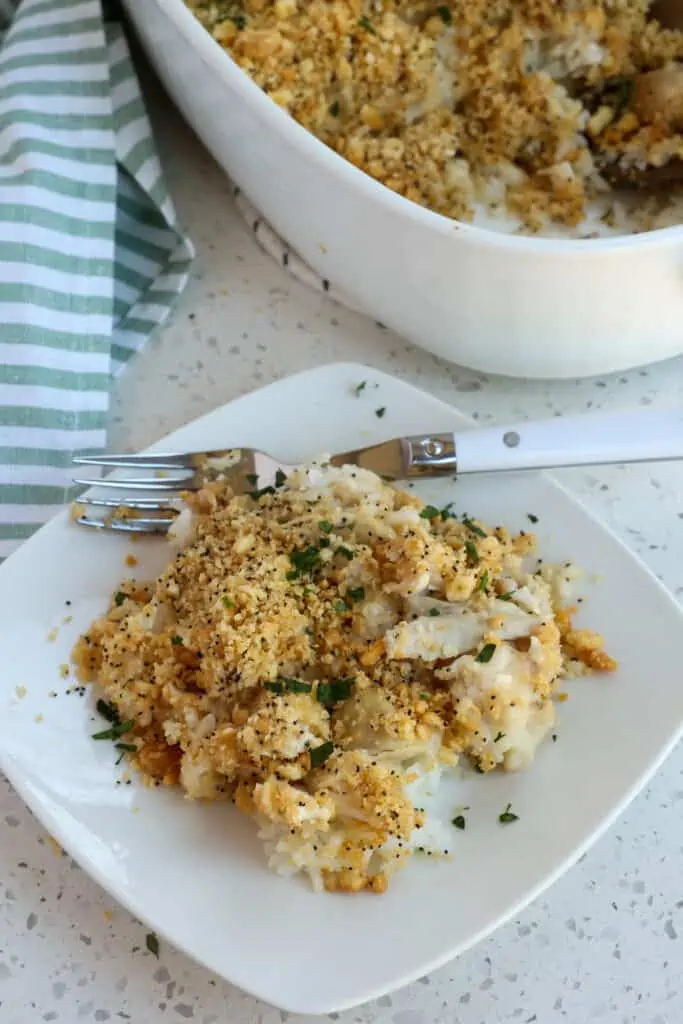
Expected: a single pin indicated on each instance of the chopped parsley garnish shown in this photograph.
(291, 685)
(444, 13)
(429, 512)
(459, 821)
(151, 940)
(364, 23)
(425, 695)
(472, 553)
(380, 412)
(108, 711)
(507, 816)
(341, 550)
(325, 527)
(359, 388)
(340, 606)
(334, 692)
(305, 560)
(486, 653)
(531, 517)
(123, 749)
(292, 575)
(118, 729)
(252, 478)
(356, 593)
(261, 492)
(297, 686)
(176, 641)
(483, 582)
(319, 755)
(623, 96)
(334, 111)
(506, 597)
(446, 511)
(434, 612)
(498, 736)
(119, 598)
(473, 528)
(228, 602)
(280, 478)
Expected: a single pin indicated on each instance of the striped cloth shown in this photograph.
(91, 254)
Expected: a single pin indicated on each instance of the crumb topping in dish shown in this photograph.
(315, 651)
(507, 103)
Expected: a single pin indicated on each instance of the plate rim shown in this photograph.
(51, 822)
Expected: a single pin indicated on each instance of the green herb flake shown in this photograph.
(554, 737)
(434, 612)
(123, 749)
(280, 478)
(506, 597)
(340, 606)
(292, 575)
(108, 711)
(305, 560)
(325, 527)
(380, 412)
(459, 822)
(446, 511)
(429, 512)
(483, 582)
(152, 943)
(356, 593)
(359, 388)
(119, 598)
(498, 736)
(277, 687)
(334, 692)
(473, 528)
(444, 13)
(252, 478)
(318, 755)
(486, 653)
(257, 495)
(425, 695)
(118, 729)
(507, 816)
(624, 92)
(472, 553)
(177, 641)
(345, 552)
(297, 685)
(364, 23)
(228, 602)
(531, 517)
(334, 111)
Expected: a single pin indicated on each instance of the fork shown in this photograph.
(644, 435)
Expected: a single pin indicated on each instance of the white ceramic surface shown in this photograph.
(498, 303)
(197, 873)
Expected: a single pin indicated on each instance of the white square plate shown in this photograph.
(196, 873)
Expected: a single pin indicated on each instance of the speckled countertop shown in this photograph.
(606, 942)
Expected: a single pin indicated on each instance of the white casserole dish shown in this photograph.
(522, 306)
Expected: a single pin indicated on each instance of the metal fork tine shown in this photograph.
(178, 484)
(148, 504)
(127, 525)
(160, 461)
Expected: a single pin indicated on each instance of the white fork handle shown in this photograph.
(590, 439)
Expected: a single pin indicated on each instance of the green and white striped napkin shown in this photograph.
(91, 254)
